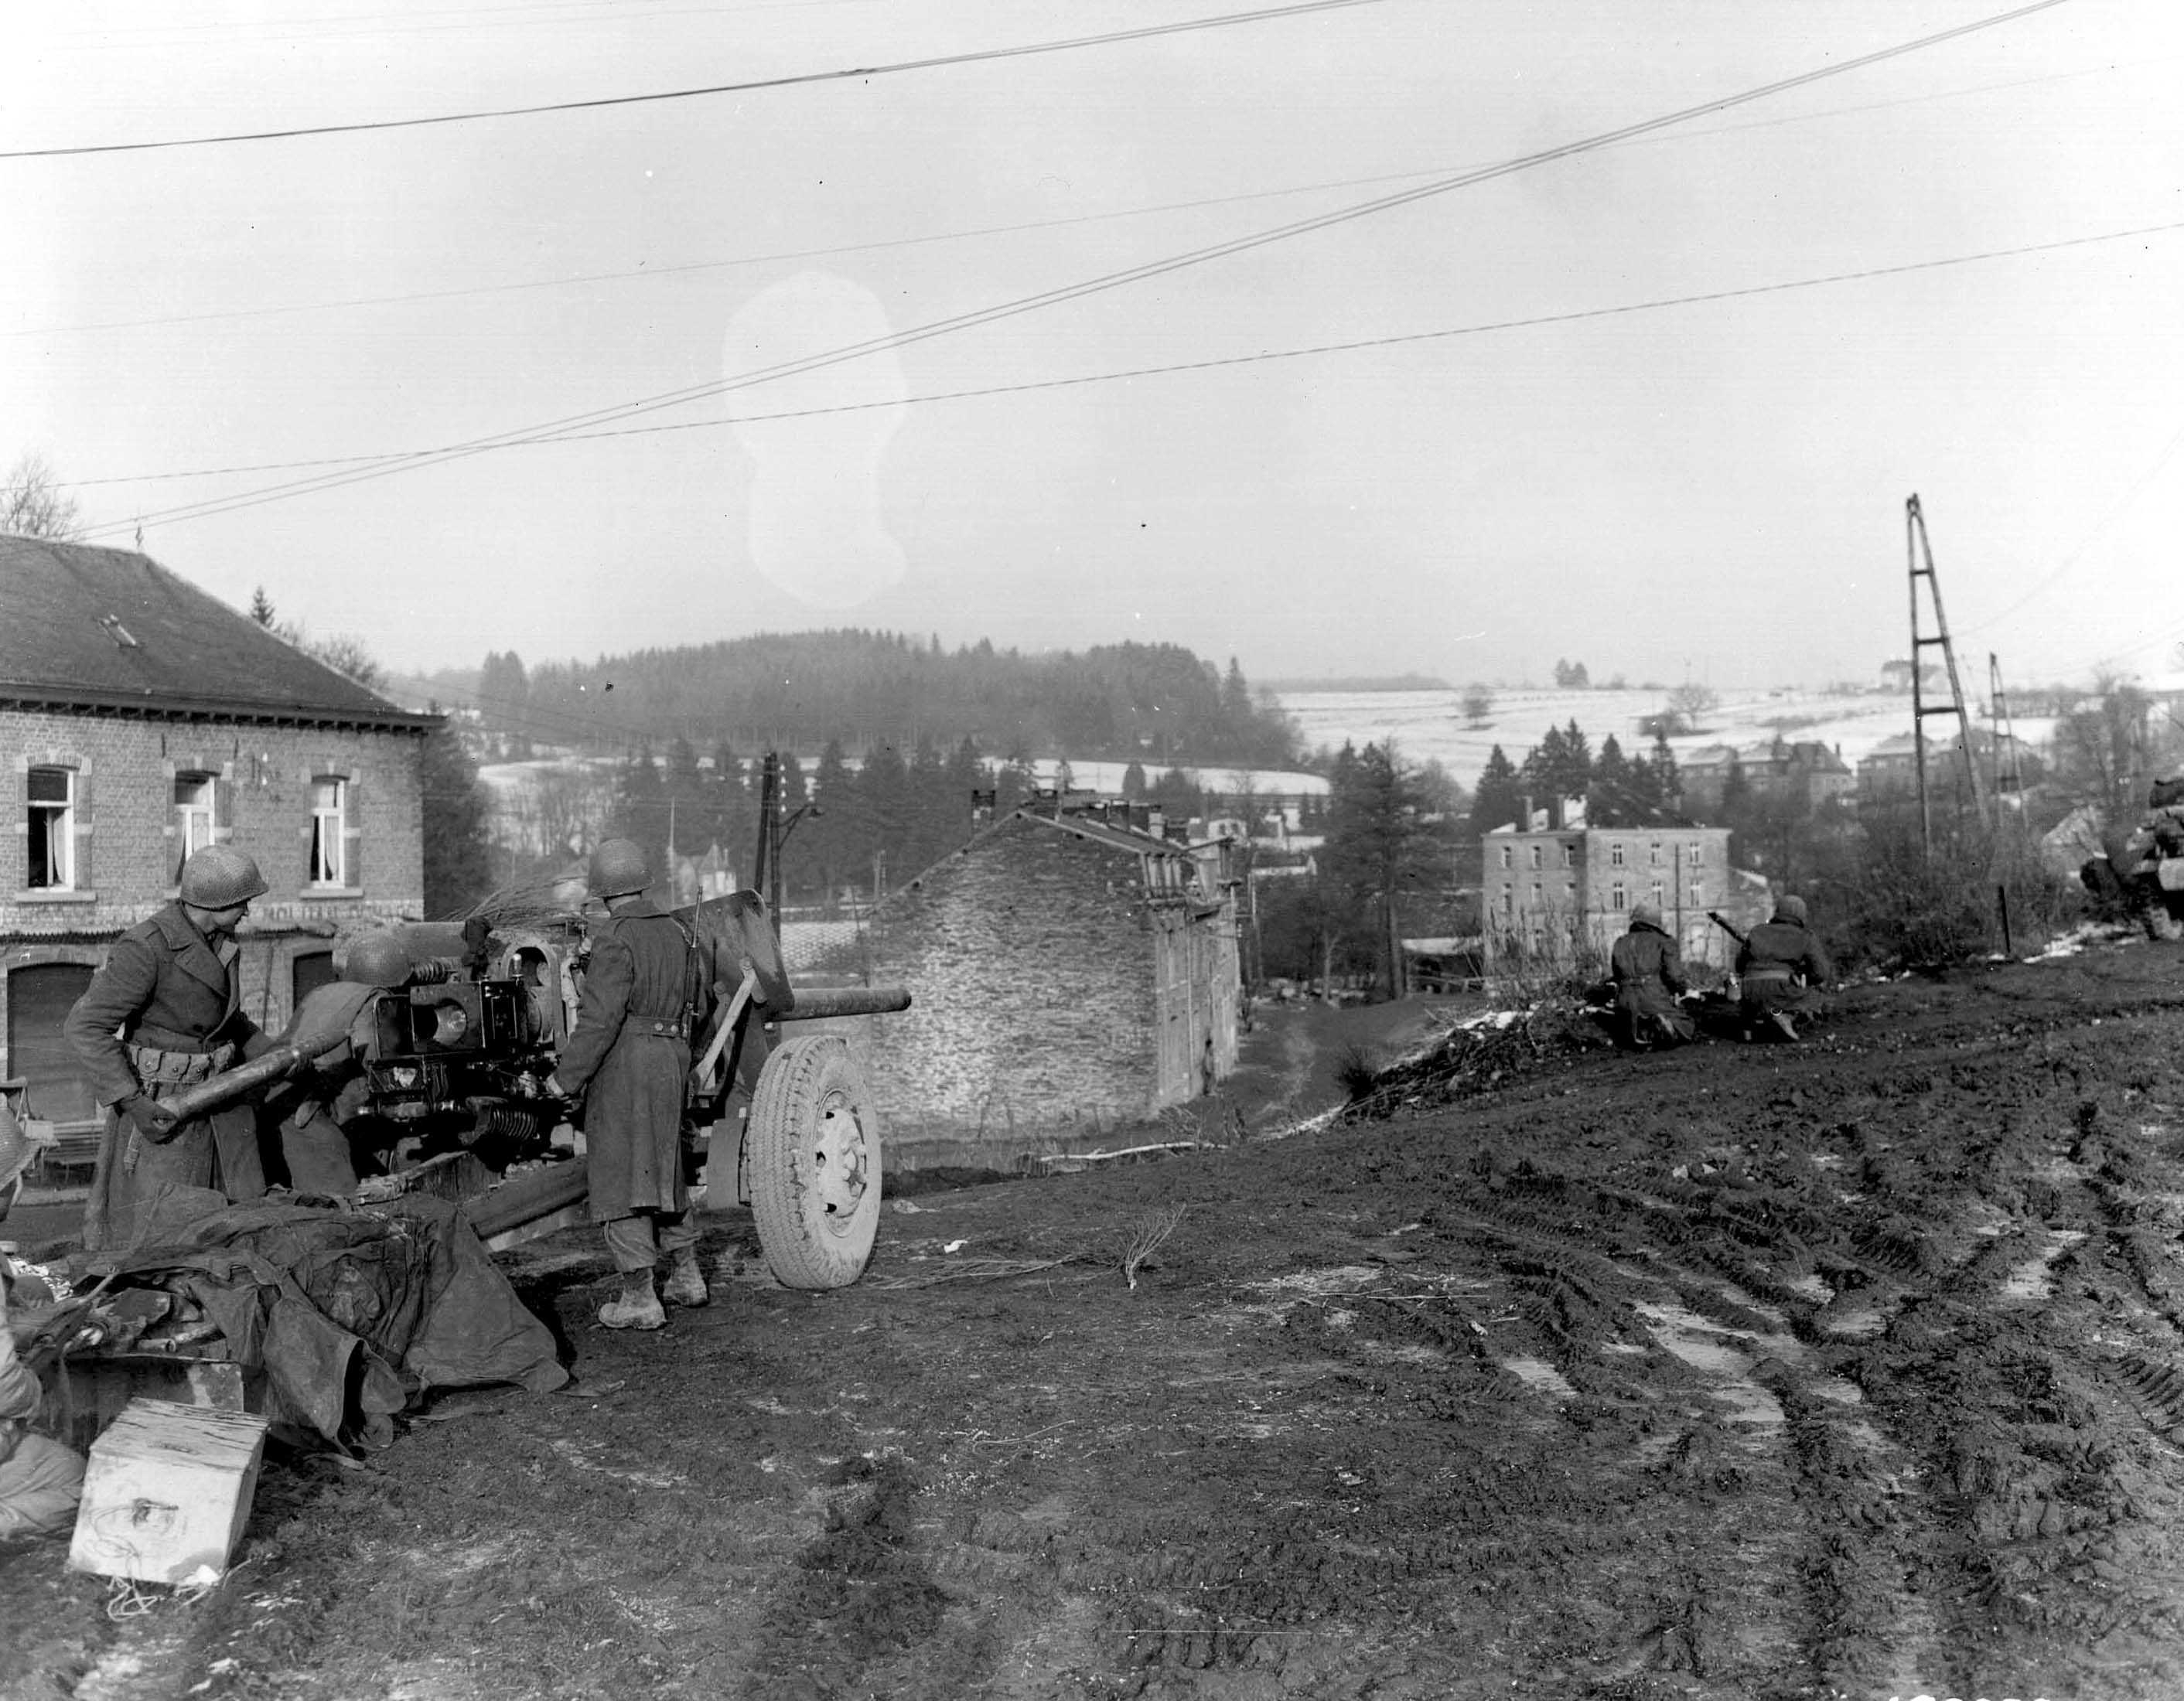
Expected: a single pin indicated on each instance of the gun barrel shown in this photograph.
(230, 1085)
(813, 1004)
(1724, 923)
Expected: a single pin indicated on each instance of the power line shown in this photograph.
(1073, 291)
(636, 273)
(936, 61)
(1215, 362)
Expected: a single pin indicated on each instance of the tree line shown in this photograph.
(866, 690)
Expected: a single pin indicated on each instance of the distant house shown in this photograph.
(143, 719)
(1890, 768)
(1068, 974)
(1804, 769)
(1555, 895)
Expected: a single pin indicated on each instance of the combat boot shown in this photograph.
(686, 1282)
(637, 1307)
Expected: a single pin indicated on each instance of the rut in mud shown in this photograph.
(1849, 1369)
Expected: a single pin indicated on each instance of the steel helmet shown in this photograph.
(219, 878)
(378, 960)
(618, 868)
(1645, 915)
(1790, 909)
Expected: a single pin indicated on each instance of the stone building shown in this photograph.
(140, 718)
(1560, 894)
(1069, 974)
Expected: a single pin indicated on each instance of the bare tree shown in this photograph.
(1690, 702)
(31, 504)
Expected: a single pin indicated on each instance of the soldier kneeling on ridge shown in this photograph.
(1648, 972)
(1780, 969)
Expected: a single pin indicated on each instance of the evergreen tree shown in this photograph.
(1383, 849)
(1498, 797)
(1134, 782)
(824, 844)
(457, 808)
(261, 607)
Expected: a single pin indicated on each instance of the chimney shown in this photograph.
(1156, 821)
(1555, 813)
(1525, 813)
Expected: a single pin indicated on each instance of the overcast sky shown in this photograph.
(1711, 490)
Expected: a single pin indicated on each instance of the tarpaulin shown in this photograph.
(350, 1313)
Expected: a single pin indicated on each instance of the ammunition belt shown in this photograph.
(179, 1067)
(662, 1027)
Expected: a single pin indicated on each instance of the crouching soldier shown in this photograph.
(645, 996)
(1780, 968)
(164, 1013)
(1648, 974)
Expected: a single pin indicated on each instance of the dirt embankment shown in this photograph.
(1851, 1369)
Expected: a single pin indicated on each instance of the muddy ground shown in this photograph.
(1845, 1370)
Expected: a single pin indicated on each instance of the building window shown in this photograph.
(192, 817)
(1537, 902)
(329, 800)
(1509, 901)
(1615, 857)
(52, 862)
(1698, 891)
(1656, 894)
(1653, 853)
(1536, 856)
(1615, 896)
(1569, 856)
(1505, 859)
(1692, 855)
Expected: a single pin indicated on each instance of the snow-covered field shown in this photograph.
(1430, 725)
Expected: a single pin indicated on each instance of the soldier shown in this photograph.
(1780, 964)
(1648, 974)
(163, 1013)
(644, 997)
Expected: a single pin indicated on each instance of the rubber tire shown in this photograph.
(814, 1165)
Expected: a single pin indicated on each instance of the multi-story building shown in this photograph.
(1561, 894)
(141, 719)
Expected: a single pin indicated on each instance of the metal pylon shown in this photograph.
(1921, 550)
(2009, 766)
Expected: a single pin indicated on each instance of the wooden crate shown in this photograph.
(87, 1391)
(167, 1493)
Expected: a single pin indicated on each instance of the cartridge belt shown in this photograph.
(662, 1027)
(155, 1064)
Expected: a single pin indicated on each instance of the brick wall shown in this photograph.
(1029, 959)
(126, 848)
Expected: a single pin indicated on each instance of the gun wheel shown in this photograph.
(814, 1165)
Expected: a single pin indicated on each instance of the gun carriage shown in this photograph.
(432, 1055)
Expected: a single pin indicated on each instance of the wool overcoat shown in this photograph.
(644, 997)
(163, 986)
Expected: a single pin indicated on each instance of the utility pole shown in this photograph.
(1918, 548)
(2009, 766)
(767, 877)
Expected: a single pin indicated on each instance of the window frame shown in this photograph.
(326, 860)
(186, 840)
(57, 837)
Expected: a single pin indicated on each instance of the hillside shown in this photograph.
(1845, 1370)
(1156, 702)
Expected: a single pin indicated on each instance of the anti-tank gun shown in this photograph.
(434, 1046)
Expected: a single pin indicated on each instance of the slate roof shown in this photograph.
(110, 630)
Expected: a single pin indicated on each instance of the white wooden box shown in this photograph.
(167, 1491)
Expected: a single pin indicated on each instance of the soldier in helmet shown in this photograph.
(644, 997)
(162, 1013)
(1781, 966)
(1648, 973)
